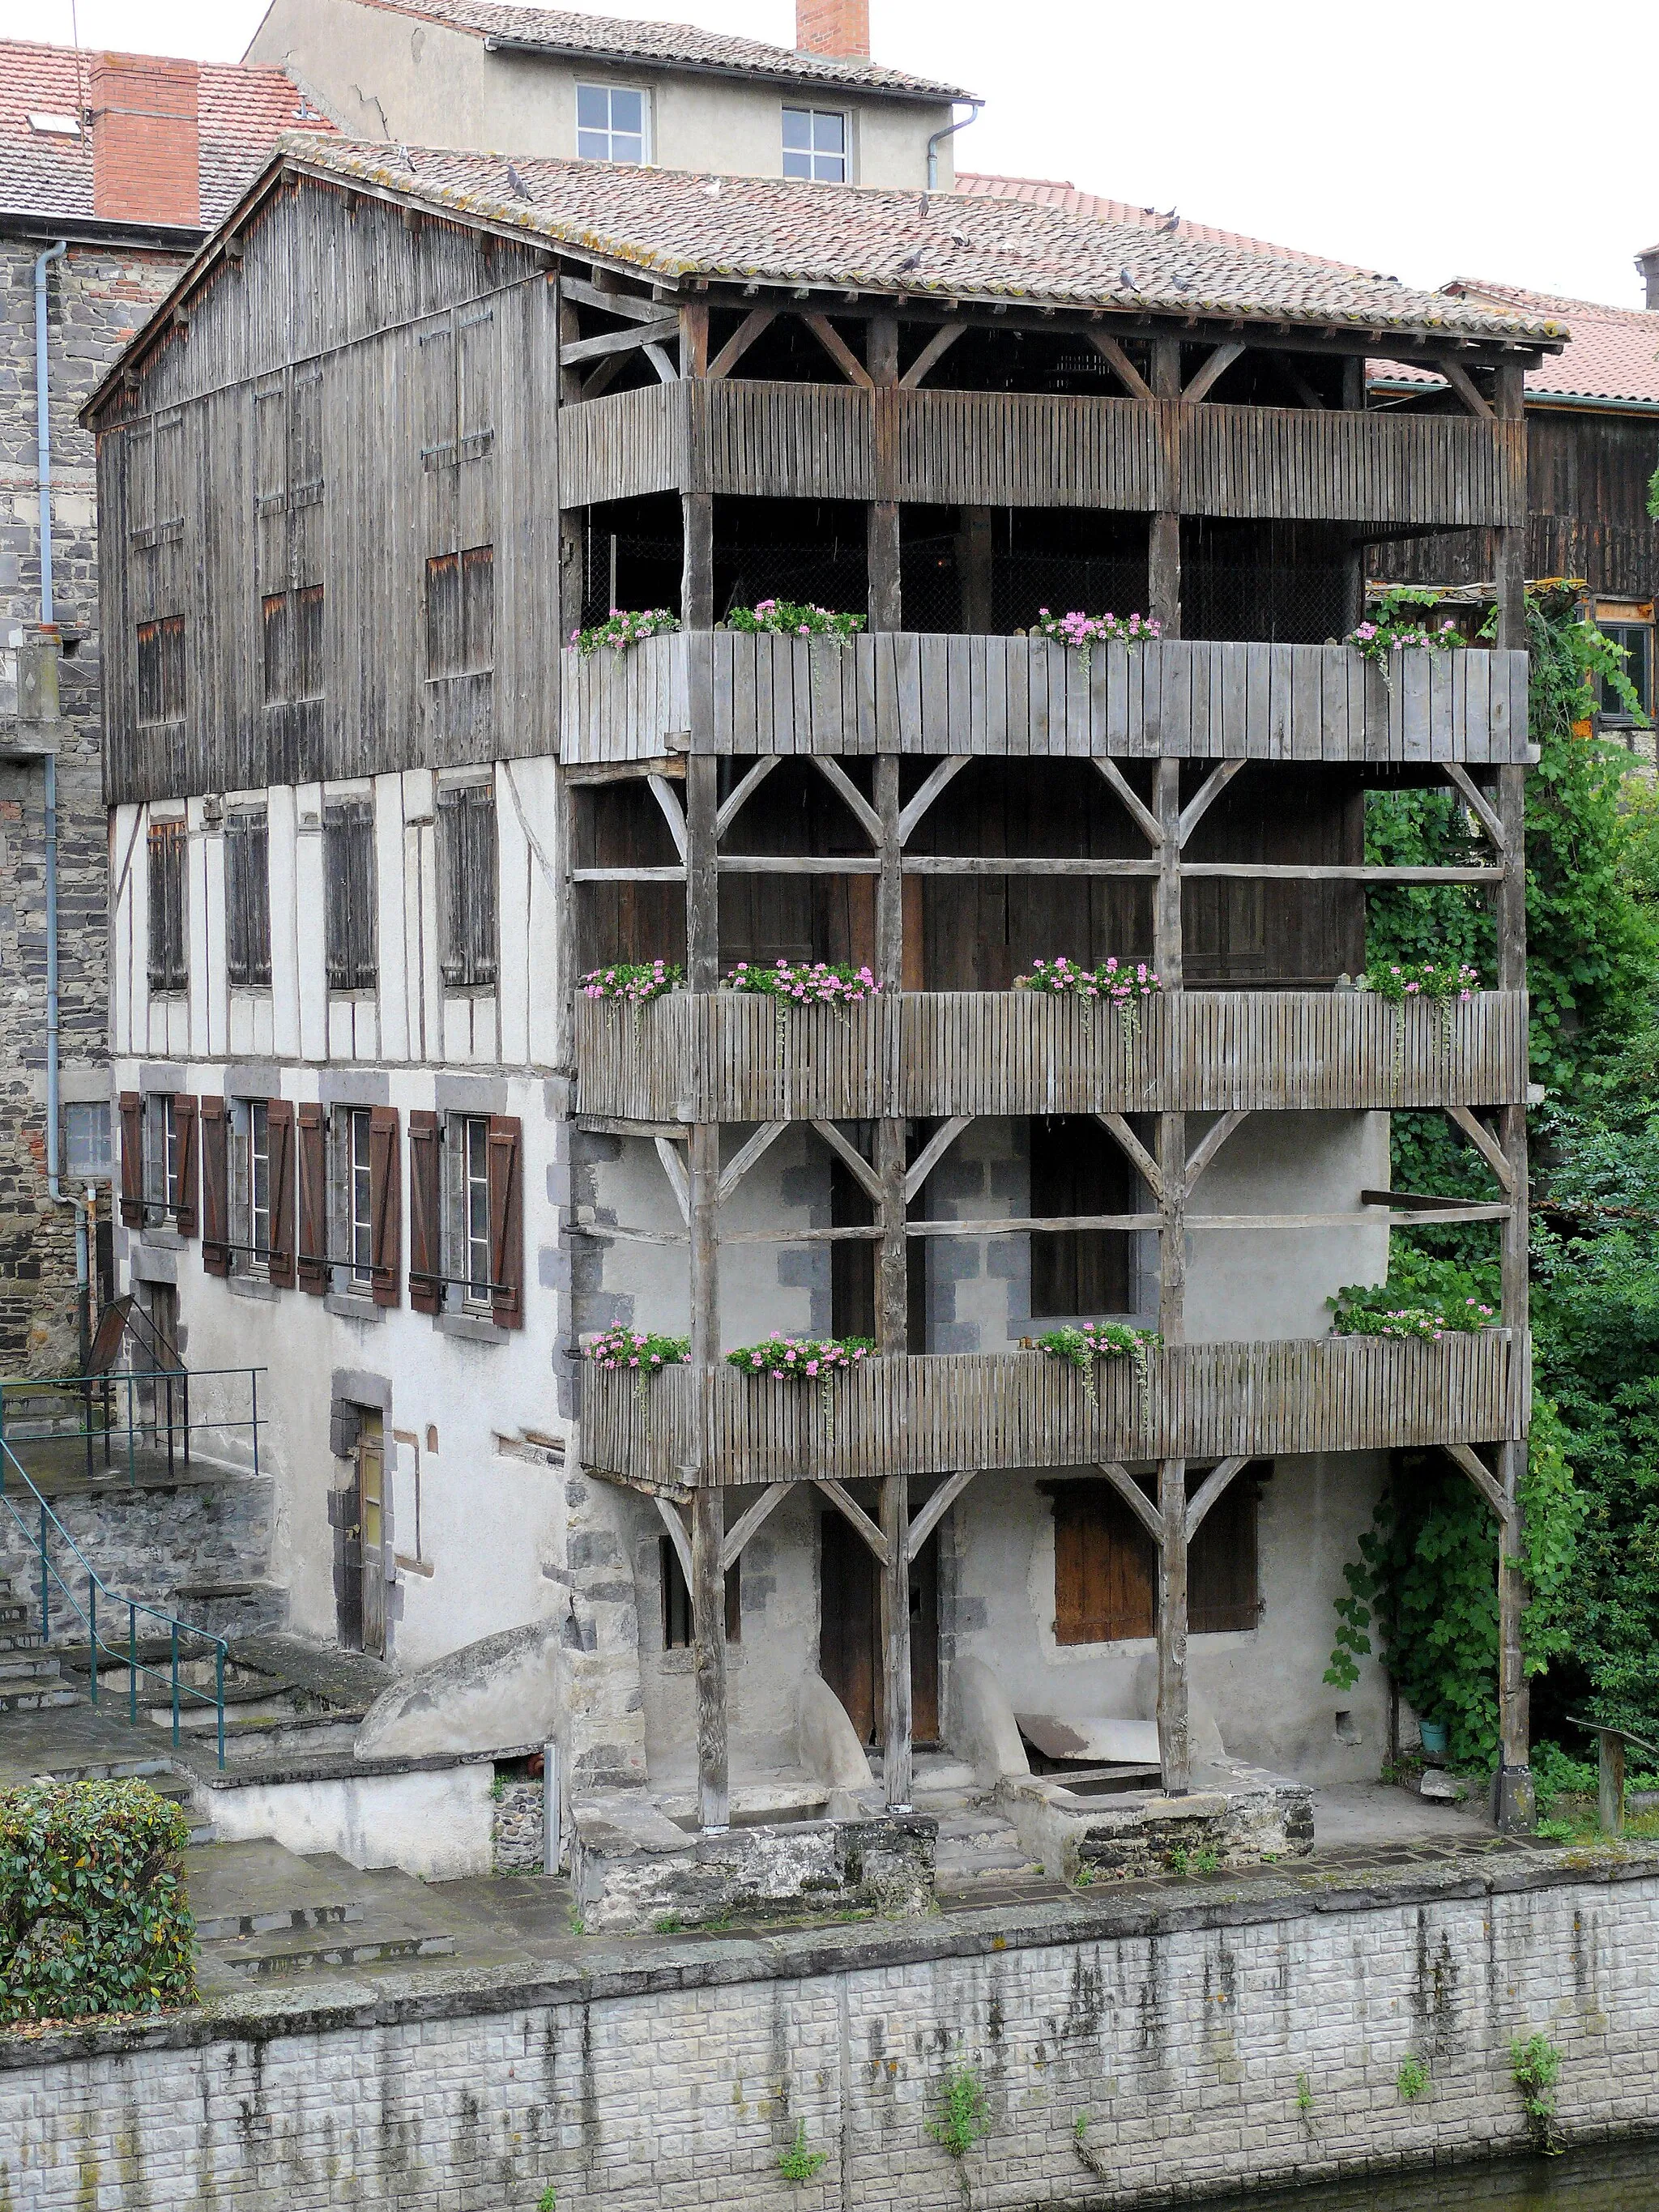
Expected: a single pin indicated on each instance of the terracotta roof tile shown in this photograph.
(678, 223)
(1052, 191)
(1612, 356)
(599, 38)
(240, 114)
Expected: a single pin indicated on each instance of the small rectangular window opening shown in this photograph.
(612, 123)
(168, 964)
(161, 658)
(1636, 640)
(678, 1628)
(360, 1196)
(475, 1200)
(815, 145)
(258, 1183)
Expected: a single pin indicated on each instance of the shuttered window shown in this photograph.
(311, 1164)
(385, 1206)
(279, 1127)
(506, 1221)
(349, 894)
(161, 670)
(215, 1187)
(182, 1181)
(467, 880)
(168, 953)
(460, 611)
(426, 1266)
(1076, 1167)
(293, 644)
(1106, 1565)
(247, 896)
(132, 1109)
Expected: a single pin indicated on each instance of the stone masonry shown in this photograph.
(97, 297)
(1182, 2042)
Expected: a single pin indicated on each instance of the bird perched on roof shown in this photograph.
(520, 189)
(910, 261)
(1181, 283)
(1170, 221)
(1125, 278)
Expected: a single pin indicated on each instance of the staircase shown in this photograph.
(30, 1680)
(978, 1849)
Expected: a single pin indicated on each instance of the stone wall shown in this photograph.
(1176, 2045)
(97, 297)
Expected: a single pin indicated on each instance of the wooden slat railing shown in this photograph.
(1026, 698)
(731, 1056)
(934, 1414)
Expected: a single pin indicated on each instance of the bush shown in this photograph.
(92, 1913)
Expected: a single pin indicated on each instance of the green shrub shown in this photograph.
(798, 2163)
(92, 1913)
(1536, 2066)
(1414, 2080)
(962, 2117)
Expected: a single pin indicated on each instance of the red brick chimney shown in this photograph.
(145, 152)
(837, 27)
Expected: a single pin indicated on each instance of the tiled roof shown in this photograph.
(665, 45)
(240, 114)
(1053, 192)
(676, 224)
(1612, 356)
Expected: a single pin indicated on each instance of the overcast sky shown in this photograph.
(1511, 143)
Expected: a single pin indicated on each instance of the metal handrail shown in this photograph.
(97, 1392)
(89, 1613)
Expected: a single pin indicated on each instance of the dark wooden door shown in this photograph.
(849, 1637)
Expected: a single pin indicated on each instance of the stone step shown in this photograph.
(37, 1666)
(976, 1825)
(259, 1958)
(957, 1864)
(17, 1699)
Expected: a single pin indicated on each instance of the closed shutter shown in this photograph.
(386, 1212)
(426, 1289)
(279, 1125)
(506, 1221)
(1222, 1594)
(1103, 1567)
(312, 1165)
(215, 1187)
(185, 1218)
(132, 1159)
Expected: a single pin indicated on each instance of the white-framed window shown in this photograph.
(359, 1197)
(466, 1259)
(161, 1156)
(613, 124)
(815, 144)
(256, 1185)
(1637, 638)
(87, 1157)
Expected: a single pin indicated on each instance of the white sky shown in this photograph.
(1514, 143)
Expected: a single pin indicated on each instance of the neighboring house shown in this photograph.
(474, 73)
(372, 821)
(125, 160)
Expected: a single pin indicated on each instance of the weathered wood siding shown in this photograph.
(736, 1057)
(937, 1413)
(348, 466)
(1028, 449)
(730, 692)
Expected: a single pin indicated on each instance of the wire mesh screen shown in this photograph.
(1299, 606)
(1023, 584)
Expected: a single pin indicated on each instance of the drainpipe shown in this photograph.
(939, 137)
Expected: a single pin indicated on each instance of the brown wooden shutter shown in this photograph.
(426, 1290)
(132, 1159)
(385, 1212)
(279, 1130)
(506, 1221)
(186, 1218)
(1102, 1567)
(313, 1164)
(215, 1187)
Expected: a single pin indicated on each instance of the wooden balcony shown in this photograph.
(906, 692)
(1031, 449)
(939, 1413)
(733, 1056)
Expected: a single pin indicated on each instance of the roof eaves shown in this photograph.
(918, 93)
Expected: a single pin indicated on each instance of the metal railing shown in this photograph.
(34, 1509)
(157, 1403)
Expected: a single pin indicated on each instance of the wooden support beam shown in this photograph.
(1127, 375)
(1509, 545)
(1477, 802)
(708, 1658)
(886, 593)
(1210, 1142)
(839, 351)
(758, 319)
(628, 341)
(844, 788)
(1136, 807)
(1486, 1144)
(633, 305)
(1174, 1749)
(674, 1521)
(1219, 1478)
(672, 812)
(702, 945)
(595, 386)
(976, 568)
(1466, 1458)
(694, 341)
(1206, 796)
(749, 1520)
(1145, 1510)
(923, 1524)
(667, 371)
(853, 1160)
(741, 792)
(933, 1152)
(896, 1745)
(933, 352)
(1163, 542)
(798, 864)
(1172, 1228)
(679, 1181)
(844, 1500)
(1012, 1224)
(1466, 388)
(1263, 872)
(1137, 1152)
(746, 1154)
(674, 875)
(1515, 1807)
(1213, 369)
(1166, 914)
(927, 791)
(892, 1262)
(1512, 896)
(1303, 391)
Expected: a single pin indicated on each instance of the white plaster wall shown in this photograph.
(436, 1825)
(386, 77)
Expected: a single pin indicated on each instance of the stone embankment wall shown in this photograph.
(1156, 2047)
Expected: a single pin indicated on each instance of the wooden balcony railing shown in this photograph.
(731, 1056)
(905, 692)
(939, 1413)
(770, 441)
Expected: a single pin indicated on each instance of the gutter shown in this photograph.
(949, 131)
(96, 230)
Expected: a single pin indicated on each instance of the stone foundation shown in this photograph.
(1234, 1816)
(516, 1822)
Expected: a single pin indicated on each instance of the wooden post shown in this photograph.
(1171, 1127)
(892, 1263)
(1354, 403)
(886, 600)
(1166, 916)
(1163, 548)
(708, 1503)
(1514, 1808)
(895, 1725)
(702, 883)
(572, 582)
(1173, 1750)
(1509, 545)
(973, 567)
(1610, 1782)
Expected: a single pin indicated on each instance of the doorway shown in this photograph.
(849, 1634)
(362, 1588)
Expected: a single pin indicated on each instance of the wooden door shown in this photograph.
(850, 1635)
(371, 1528)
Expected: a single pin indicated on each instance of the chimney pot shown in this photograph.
(839, 29)
(1647, 263)
(146, 150)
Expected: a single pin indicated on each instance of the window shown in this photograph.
(1637, 638)
(815, 145)
(612, 123)
(349, 894)
(460, 611)
(87, 1157)
(1105, 1568)
(359, 1192)
(258, 1181)
(247, 896)
(678, 1629)
(168, 961)
(466, 867)
(294, 644)
(161, 671)
(168, 1133)
(468, 1256)
(1076, 1167)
